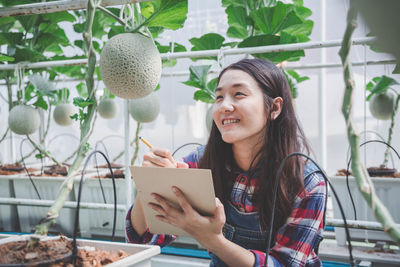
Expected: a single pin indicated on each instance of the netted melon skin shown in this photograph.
(145, 109)
(62, 114)
(107, 109)
(130, 65)
(23, 120)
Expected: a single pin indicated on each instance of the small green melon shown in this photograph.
(145, 109)
(381, 105)
(107, 108)
(23, 120)
(130, 65)
(62, 114)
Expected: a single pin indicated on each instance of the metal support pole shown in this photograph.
(127, 156)
(206, 53)
(68, 204)
(56, 6)
(322, 94)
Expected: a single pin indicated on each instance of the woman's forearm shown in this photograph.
(137, 218)
(231, 253)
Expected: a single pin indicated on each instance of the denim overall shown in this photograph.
(243, 228)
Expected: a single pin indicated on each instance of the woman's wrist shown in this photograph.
(216, 243)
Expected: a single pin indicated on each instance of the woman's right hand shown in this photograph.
(161, 157)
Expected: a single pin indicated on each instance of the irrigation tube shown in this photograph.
(364, 225)
(56, 6)
(204, 53)
(68, 204)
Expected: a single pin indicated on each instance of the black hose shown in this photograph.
(23, 164)
(74, 247)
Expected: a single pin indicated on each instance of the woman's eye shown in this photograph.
(239, 93)
(218, 97)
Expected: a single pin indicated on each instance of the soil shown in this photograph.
(12, 169)
(113, 165)
(53, 250)
(117, 174)
(372, 171)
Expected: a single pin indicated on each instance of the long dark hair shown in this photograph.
(282, 137)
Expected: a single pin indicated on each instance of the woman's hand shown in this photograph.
(161, 157)
(205, 229)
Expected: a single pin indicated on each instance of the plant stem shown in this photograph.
(67, 186)
(4, 135)
(108, 12)
(138, 128)
(361, 176)
(387, 152)
(47, 154)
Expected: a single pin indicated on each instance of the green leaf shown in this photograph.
(396, 69)
(170, 14)
(74, 117)
(304, 28)
(42, 85)
(212, 85)
(237, 22)
(11, 38)
(82, 90)
(208, 41)
(204, 96)
(198, 76)
(239, 3)
(114, 30)
(272, 20)
(25, 54)
(40, 103)
(382, 84)
(297, 76)
(39, 156)
(58, 17)
(81, 102)
(6, 58)
(28, 21)
(168, 48)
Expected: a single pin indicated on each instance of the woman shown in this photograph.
(254, 129)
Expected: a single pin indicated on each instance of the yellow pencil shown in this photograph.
(145, 142)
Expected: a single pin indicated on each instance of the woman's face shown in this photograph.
(239, 111)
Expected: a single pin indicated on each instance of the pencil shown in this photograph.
(145, 142)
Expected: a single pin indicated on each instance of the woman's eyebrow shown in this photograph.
(235, 85)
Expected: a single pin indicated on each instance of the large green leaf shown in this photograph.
(58, 17)
(28, 21)
(6, 58)
(25, 54)
(301, 30)
(380, 85)
(198, 76)
(170, 14)
(11, 38)
(48, 39)
(272, 20)
(237, 22)
(208, 41)
(396, 69)
(240, 3)
(203, 96)
(41, 103)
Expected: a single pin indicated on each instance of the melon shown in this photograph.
(145, 109)
(62, 114)
(23, 120)
(381, 105)
(107, 108)
(130, 65)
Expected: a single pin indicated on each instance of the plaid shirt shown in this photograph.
(295, 240)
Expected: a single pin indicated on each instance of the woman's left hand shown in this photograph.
(205, 229)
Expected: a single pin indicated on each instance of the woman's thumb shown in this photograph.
(182, 165)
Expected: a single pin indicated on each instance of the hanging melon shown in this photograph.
(107, 108)
(130, 65)
(23, 120)
(145, 109)
(62, 114)
(381, 105)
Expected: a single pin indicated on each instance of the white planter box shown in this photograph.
(8, 213)
(48, 187)
(139, 255)
(387, 189)
(100, 222)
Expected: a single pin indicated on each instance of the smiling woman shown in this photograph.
(254, 129)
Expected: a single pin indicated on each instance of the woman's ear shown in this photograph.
(277, 105)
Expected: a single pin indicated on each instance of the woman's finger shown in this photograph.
(152, 159)
(185, 205)
(157, 208)
(182, 165)
(164, 153)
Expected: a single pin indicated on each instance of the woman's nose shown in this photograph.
(227, 105)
